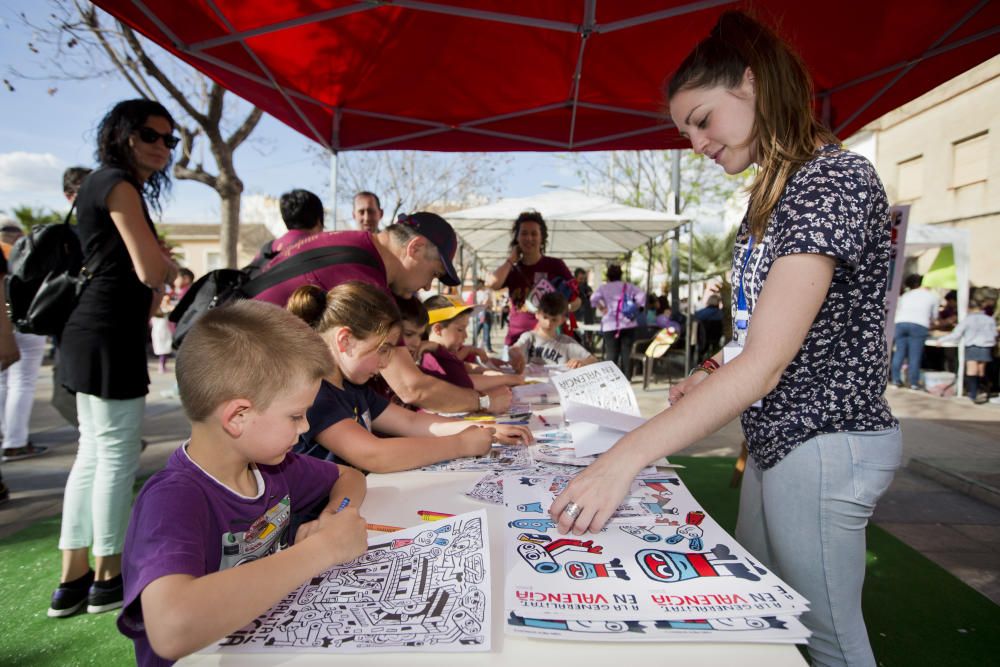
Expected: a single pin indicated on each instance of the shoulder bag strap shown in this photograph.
(302, 263)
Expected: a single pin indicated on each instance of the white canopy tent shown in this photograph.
(920, 238)
(583, 230)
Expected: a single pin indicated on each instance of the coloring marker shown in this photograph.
(344, 503)
(544, 421)
(427, 515)
(381, 528)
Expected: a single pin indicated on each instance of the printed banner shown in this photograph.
(663, 557)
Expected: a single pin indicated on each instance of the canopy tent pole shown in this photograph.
(649, 268)
(687, 357)
(332, 223)
(675, 242)
(475, 315)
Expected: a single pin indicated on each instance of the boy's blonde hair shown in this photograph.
(250, 350)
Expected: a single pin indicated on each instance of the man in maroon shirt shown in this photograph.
(407, 256)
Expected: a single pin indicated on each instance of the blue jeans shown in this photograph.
(910, 339)
(805, 519)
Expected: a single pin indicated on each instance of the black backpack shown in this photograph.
(46, 273)
(222, 286)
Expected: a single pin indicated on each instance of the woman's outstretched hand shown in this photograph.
(594, 494)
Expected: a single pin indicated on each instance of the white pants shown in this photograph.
(99, 489)
(17, 390)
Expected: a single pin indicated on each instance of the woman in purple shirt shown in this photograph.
(618, 302)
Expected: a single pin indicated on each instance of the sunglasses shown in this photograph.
(150, 136)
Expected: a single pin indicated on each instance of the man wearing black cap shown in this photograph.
(407, 256)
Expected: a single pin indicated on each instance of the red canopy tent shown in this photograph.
(551, 75)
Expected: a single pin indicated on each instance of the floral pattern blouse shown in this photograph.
(833, 205)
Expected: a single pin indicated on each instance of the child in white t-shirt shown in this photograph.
(544, 344)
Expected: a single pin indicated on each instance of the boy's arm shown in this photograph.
(487, 382)
(400, 421)
(415, 387)
(353, 443)
(183, 613)
(350, 484)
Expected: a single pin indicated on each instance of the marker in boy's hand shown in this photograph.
(344, 532)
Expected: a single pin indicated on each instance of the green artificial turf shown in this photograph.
(29, 570)
(917, 613)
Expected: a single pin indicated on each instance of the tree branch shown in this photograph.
(244, 130)
(154, 71)
(89, 17)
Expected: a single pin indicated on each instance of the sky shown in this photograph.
(42, 133)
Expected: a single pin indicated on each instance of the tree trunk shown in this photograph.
(229, 233)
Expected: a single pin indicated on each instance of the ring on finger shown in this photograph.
(572, 510)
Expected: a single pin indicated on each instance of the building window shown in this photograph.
(910, 179)
(969, 160)
(213, 261)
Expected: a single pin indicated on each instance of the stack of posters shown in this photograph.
(425, 588)
(661, 570)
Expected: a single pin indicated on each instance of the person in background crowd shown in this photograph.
(544, 345)
(103, 348)
(484, 314)
(302, 213)
(978, 333)
(8, 350)
(183, 281)
(63, 400)
(18, 382)
(619, 304)
(947, 316)
(915, 311)
(367, 211)
(585, 313)
(524, 271)
(816, 242)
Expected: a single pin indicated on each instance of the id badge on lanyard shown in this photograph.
(734, 347)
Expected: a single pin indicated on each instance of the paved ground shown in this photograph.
(952, 439)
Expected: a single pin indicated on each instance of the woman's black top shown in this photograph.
(103, 346)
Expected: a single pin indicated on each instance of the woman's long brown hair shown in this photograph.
(785, 132)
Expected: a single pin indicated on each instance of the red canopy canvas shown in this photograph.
(549, 75)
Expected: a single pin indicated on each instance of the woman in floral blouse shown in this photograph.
(809, 277)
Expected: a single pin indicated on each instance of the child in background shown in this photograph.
(247, 374)
(360, 325)
(449, 327)
(979, 334)
(544, 344)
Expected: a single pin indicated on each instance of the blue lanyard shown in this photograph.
(742, 312)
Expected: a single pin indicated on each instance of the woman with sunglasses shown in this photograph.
(103, 347)
(807, 371)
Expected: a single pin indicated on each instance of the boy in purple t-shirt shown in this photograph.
(449, 327)
(247, 373)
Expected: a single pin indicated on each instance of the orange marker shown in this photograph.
(382, 529)
(427, 515)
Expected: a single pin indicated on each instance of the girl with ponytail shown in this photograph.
(806, 372)
(361, 325)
